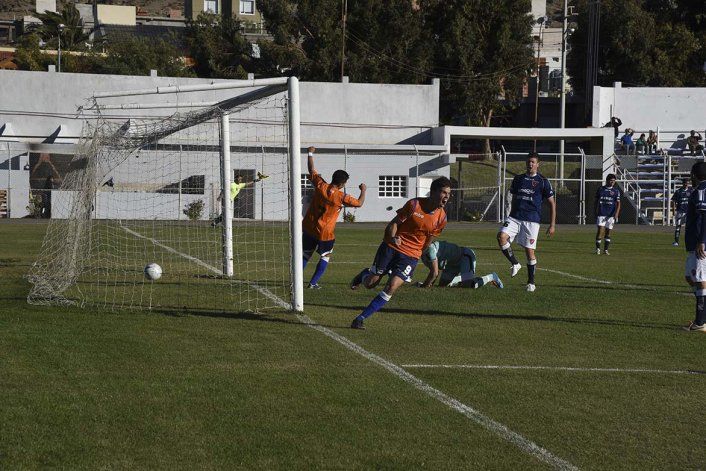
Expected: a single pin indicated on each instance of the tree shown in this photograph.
(137, 56)
(218, 47)
(72, 35)
(482, 52)
(642, 43)
(28, 55)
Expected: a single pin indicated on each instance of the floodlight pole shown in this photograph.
(344, 18)
(295, 197)
(562, 120)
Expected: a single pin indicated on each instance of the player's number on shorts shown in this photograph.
(407, 270)
(506, 224)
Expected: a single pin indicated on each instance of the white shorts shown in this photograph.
(607, 222)
(695, 268)
(679, 218)
(526, 232)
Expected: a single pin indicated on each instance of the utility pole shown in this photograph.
(344, 15)
(562, 120)
(60, 28)
(541, 22)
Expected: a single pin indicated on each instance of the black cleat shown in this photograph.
(355, 282)
(357, 324)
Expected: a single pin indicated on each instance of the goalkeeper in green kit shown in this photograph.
(454, 266)
(235, 188)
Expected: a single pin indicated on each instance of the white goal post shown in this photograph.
(157, 189)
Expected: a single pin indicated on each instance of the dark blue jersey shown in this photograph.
(528, 192)
(695, 233)
(608, 198)
(681, 198)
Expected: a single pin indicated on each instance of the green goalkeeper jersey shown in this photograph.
(235, 189)
(447, 254)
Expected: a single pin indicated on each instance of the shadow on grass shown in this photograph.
(514, 317)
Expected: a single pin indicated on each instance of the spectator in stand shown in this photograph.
(615, 122)
(693, 142)
(652, 142)
(627, 141)
(641, 144)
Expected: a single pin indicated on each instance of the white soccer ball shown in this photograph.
(153, 272)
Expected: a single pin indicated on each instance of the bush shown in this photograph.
(194, 210)
(348, 217)
(472, 216)
(35, 206)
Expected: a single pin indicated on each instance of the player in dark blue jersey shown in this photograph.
(695, 241)
(607, 207)
(680, 202)
(528, 191)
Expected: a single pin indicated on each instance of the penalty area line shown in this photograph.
(560, 368)
(486, 422)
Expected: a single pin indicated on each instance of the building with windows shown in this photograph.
(244, 10)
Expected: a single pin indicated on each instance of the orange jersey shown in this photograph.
(414, 227)
(320, 219)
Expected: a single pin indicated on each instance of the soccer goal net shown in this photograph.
(160, 190)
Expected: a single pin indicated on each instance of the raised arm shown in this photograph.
(361, 198)
(310, 160)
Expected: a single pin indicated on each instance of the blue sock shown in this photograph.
(320, 269)
(375, 305)
(306, 260)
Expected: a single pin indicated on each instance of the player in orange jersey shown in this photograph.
(406, 237)
(321, 217)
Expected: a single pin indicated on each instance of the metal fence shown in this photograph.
(483, 182)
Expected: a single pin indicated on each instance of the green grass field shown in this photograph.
(91, 388)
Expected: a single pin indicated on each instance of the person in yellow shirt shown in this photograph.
(235, 188)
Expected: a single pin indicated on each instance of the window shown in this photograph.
(392, 186)
(210, 6)
(247, 7)
(307, 187)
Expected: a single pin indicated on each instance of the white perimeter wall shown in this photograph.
(644, 108)
(335, 113)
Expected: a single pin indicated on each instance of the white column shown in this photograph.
(295, 192)
(226, 202)
(562, 121)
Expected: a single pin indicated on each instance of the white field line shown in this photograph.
(560, 368)
(486, 422)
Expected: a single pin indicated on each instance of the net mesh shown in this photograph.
(148, 191)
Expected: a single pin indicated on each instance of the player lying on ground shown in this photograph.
(406, 237)
(607, 208)
(320, 219)
(680, 203)
(695, 241)
(454, 266)
(528, 191)
(235, 188)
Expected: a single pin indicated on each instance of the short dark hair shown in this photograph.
(533, 155)
(439, 183)
(698, 170)
(340, 177)
(611, 176)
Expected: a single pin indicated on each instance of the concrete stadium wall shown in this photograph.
(35, 104)
(644, 108)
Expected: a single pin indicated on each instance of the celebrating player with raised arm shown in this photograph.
(406, 237)
(320, 219)
(695, 241)
(607, 208)
(680, 203)
(454, 266)
(528, 191)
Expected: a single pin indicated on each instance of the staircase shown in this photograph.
(649, 182)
